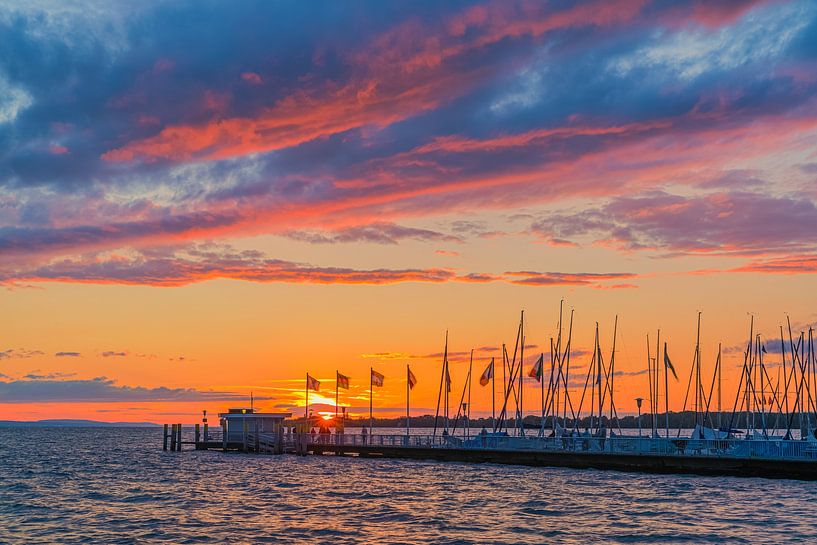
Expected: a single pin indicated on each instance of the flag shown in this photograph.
(343, 381)
(412, 380)
(536, 370)
(312, 384)
(377, 378)
(488, 374)
(668, 364)
(447, 380)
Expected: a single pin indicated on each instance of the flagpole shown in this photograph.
(407, 399)
(336, 395)
(306, 408)
(371, 398)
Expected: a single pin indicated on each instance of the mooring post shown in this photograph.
(198, 437)
(173, 438)
(244, 433)
(164, 441)
(206, 434)
(279, 445)
(224, 435)
(255, 434)
(179, 440)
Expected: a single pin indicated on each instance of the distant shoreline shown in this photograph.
(58, 423)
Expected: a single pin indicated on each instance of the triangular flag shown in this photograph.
(668, 363)
(488, 374)
(536, 370)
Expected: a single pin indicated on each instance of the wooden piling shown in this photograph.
(179, 438)
(173, 438)
(164, 441)
(224, 435)
(198, 437)
(244, 434)
(206, 434)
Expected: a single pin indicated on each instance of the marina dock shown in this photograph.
(769, 458)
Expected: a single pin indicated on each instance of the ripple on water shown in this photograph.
(115, 486)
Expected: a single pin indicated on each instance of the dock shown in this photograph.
(768, 458)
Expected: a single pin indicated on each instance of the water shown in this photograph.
(116, 486)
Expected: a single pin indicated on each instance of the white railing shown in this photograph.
(732, 448)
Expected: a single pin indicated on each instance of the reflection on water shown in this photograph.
(117, 486)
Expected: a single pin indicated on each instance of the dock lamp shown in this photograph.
(638, 401)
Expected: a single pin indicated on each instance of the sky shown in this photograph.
(202, 200)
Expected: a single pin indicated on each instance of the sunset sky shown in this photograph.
(199, 200)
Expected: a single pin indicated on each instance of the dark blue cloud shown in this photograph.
(47, 389)
(106, 81)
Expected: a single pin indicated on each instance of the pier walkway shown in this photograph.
(773, 458)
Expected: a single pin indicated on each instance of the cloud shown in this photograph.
(113, 354)
(67, 354)
(166, 267)
(330, 126)
(37, 375)
(532, 278)
(630, 373)
(726, 222)
(99, 390)
(376, 233)
(19, 353)
(795, 264)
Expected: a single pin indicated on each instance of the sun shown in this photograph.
(327, 417)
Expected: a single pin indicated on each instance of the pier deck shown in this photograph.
(787, 459)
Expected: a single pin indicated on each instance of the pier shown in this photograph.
(769, 458)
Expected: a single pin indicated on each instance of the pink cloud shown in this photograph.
(252, 78)
(169, 267)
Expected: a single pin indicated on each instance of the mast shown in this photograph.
(719, 386)
(442, 380)
(612, 369)
(649, 378)
(785, 375)
(493, 393)
(521, 373)
(657, 384)
(698, 369)
(566, 374)
(468, 417)
(666, 391)
(592, 373)
(599, 366)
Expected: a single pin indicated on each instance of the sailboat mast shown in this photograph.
(612, 369)
(521, 373)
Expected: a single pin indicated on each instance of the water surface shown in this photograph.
(87, 485)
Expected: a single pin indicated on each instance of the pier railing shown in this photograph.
(734, 448)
